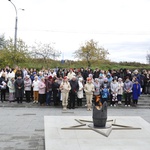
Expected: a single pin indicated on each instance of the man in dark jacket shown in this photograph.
(74, 88)
(56, 94)
(19, 89)
(3, 87)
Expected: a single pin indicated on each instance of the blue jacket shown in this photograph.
(136, 91)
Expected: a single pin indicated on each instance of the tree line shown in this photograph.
(89, 54)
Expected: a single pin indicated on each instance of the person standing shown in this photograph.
(114, 91)
(42, 91)
(104, 94)
(19, 89)
(3, 86)
(48, 82)
(89, 89)
(136, 92)
(120, 90)
(74, 88)
(97, 90)
(35, 89)
(11, 87)
(27, 87)
(147, 82)
(55, 89)
(65, 88)
(106, 84)
(59, 81)
(127, 91)
(80, 92)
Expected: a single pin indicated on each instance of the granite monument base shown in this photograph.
(65, 133)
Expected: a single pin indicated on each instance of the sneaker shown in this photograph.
(114, 105)
(111, 105)
(34, 102)
(128, 105)
(125, 105)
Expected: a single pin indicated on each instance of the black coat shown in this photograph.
(74, 86)
(55, 86)
(19, 87)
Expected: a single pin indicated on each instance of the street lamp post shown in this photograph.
(16, 21)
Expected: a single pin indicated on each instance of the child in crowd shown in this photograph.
(104, 94)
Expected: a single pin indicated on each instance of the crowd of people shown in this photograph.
(68, 87)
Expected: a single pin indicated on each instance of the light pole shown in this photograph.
(16, 21)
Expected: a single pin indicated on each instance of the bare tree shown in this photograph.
(44, 51)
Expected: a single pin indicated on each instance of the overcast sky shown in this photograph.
(121, 26)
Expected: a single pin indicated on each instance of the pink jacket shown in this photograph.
(42, 87)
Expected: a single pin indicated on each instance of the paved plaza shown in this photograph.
(22, 125)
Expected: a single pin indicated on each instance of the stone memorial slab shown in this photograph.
(77, 133)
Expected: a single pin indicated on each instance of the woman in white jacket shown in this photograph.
(80, 92)
(35, 89)
(114, 91)
(120, 90)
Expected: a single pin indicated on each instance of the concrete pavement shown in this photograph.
(22, 125)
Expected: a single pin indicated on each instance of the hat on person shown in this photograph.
(50, 77)
(65, 77)
(105, 79)
(101, 75)
(135, 71)
(89, 79)
(90, 75)
(119, 79)
(27, 76)
(96, 79)
(36, 77)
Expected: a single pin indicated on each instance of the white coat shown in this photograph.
(80, 92)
